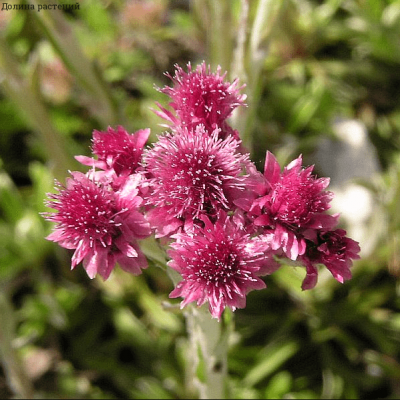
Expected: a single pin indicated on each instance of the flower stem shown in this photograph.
(209, 353)
(252, 49)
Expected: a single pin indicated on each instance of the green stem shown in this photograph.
(253, 52)
(214, 18)
(238, 67)
(240, 115)
(220, 40)
(209, 353)
(15, 374)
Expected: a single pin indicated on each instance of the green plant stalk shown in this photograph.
(31, 106)
(240, 115)
(254, 51)
(208, 355)
(60, 33)
(238, 67)
(265, 18)
(220, 34)
(214, 18)
(15, 374)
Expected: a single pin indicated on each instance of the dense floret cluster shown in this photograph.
(224, 224)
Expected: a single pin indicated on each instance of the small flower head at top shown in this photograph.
(333, 249)
(293, 200)
(201, 97)
(100, 224)
(219, 264)
(190, 174)
(117, 151)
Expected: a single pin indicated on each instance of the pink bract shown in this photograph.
(100, 224)
(219, 264)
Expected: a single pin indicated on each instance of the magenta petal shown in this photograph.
(216, 309)
(295, 164)
(141, 137)
(55, 236)
(340, 271)
(256, 285)
(107, 267)
(130, 188)
(302, 246)
(295, 246)
(91, 162)
(134, 226)
(133, 265)
(291, 248)
(338, 277)
(269, 266)
(311, 278)
(193, 295)
(271, 168)
(323, 221)
(239, 302)
(255, 181)
(77, 177)
(175, 293)
(243, 203)
(96, 263)
(90, 263)
(165, 114)
(80, 253)
(279, 238)
(125, 248)
(67, 243)
(162, 222)
(262, 220)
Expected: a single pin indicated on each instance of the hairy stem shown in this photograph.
(209, 353)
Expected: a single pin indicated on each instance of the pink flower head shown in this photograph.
(202, 97)
(100, 224)
(219, 263)
(332, 249)
(117, 150)
(290, 202)
(192, 173)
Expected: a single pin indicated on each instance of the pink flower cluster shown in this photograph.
(225, 224)
(99, 214)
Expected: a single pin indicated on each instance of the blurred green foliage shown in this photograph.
(66, 72)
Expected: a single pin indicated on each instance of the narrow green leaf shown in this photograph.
(276, 355)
